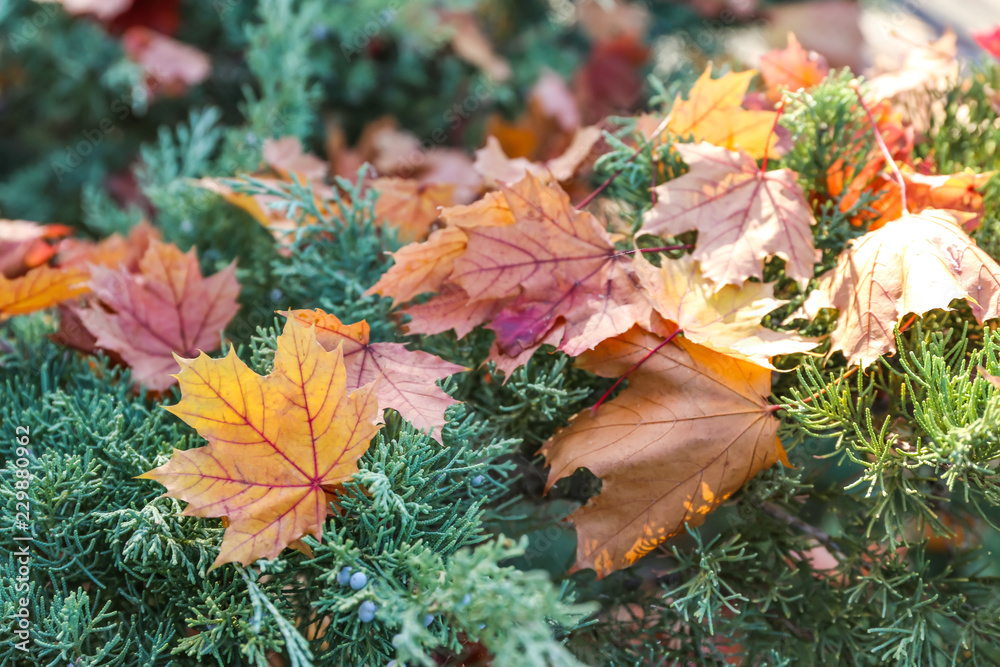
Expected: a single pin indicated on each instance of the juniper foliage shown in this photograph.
(877, 547)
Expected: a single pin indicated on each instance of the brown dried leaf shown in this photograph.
(742, 215)
(911, 265)
(692, 427)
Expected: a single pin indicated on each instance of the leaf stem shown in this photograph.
(656, 349)
(600, 188)
(906, 325)
(666, 248)
(781, 109)
(881, 144)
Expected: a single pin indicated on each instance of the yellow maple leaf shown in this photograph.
(725, 320)
(42, 287)
(276, 443)
(712, 113)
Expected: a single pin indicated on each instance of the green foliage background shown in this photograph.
(894, 470)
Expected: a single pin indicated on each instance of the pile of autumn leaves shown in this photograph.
(694, 423)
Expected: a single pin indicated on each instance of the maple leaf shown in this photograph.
(113, 251)
(41, 287)
(424, 267)
(408, 376)
(410, 206)
(957, 193)
(287, 157)
(170, 67)
(926, 69)
(911, 265)
(269, 209)
(553, 262)
(495, 166)
(742, 215)
(525, 261)
(472, 46)
(713, 113)
(167, 307)
(692, 427)
(726, 320)
(23, 245)
(610, 81)
(793, 68)
(276, 443)
(848, 181)
(450, 310)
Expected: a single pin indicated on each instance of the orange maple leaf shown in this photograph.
(742, 215)
(911, 265)
(553, 262)
(955, 192)
(424, 267)
(276, 443)
(408, 376)
(113, 252)
(23, 245)
(849, 180)
(525, 261)
(41, 287)
(793, 68)
(692, 427)
(713, 113)
(167, 308)
(410, 206)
